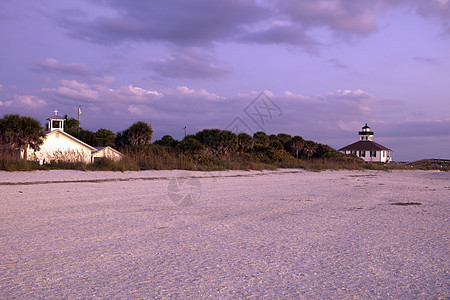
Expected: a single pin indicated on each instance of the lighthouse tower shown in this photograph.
(366, 134)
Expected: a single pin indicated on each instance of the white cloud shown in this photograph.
(140, 91)
(184, 91)
(135, 110)
(29, 101)
(76, 90)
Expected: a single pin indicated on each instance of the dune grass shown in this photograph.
(157, 158)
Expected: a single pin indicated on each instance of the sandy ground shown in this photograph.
(287, 234)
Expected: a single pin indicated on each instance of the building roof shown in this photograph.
(56, 118)
(100, 149)
(365, 146)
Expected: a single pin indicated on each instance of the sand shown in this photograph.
(287, 234)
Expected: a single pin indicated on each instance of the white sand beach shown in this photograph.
(287, 234)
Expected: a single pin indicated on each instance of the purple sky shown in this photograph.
(326, 67)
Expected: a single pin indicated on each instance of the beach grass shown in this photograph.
(157, 159)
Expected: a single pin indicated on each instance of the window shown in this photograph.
(362, 153)
(373, 153)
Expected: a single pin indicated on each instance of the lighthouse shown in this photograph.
(367, 149)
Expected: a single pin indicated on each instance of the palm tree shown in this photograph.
(296, 144)
(284, 139)
(140, 133)
(190, 145)
(261, 138)
(309, 148)
(227, 143)
(245, 142)
(17, 133)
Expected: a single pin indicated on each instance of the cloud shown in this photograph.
(329, 118)
(202, 23)
(416, 128)
(179, 22)
(439, 9)
(188, 63)
(349, 16)
(283, 34)
(120, 99)
(427, 60)
(333, 108)
(52, 65)
(27, 101)
(76, 90)
(337, 63)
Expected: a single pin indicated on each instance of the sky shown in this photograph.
(320, 69)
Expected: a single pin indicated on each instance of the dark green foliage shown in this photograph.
(87, 136)
(70, 125)
(273, 138)
(309, 148)
(217, 142)
(284, 138)
(190, 145)
(295, 145)
(276, 146)
(322, 150)
(261, 138)
(209, 149)
(17, 133)
(167, 141)
(105, 137)
(137, 134)
(245, 142)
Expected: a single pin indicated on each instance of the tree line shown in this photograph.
(18, 132)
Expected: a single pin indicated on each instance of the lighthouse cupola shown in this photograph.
(366, 134)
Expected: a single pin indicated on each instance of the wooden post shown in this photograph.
(185, 131)
(79, 113)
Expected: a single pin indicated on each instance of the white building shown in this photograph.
(367, 149)
(61, 146)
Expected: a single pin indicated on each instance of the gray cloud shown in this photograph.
(416, 128)
(283, 34)
(52, 65)
(337, 63)
(436, 9)
(179, 22)
(427, 60)
(188, 63)
(204, 22)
